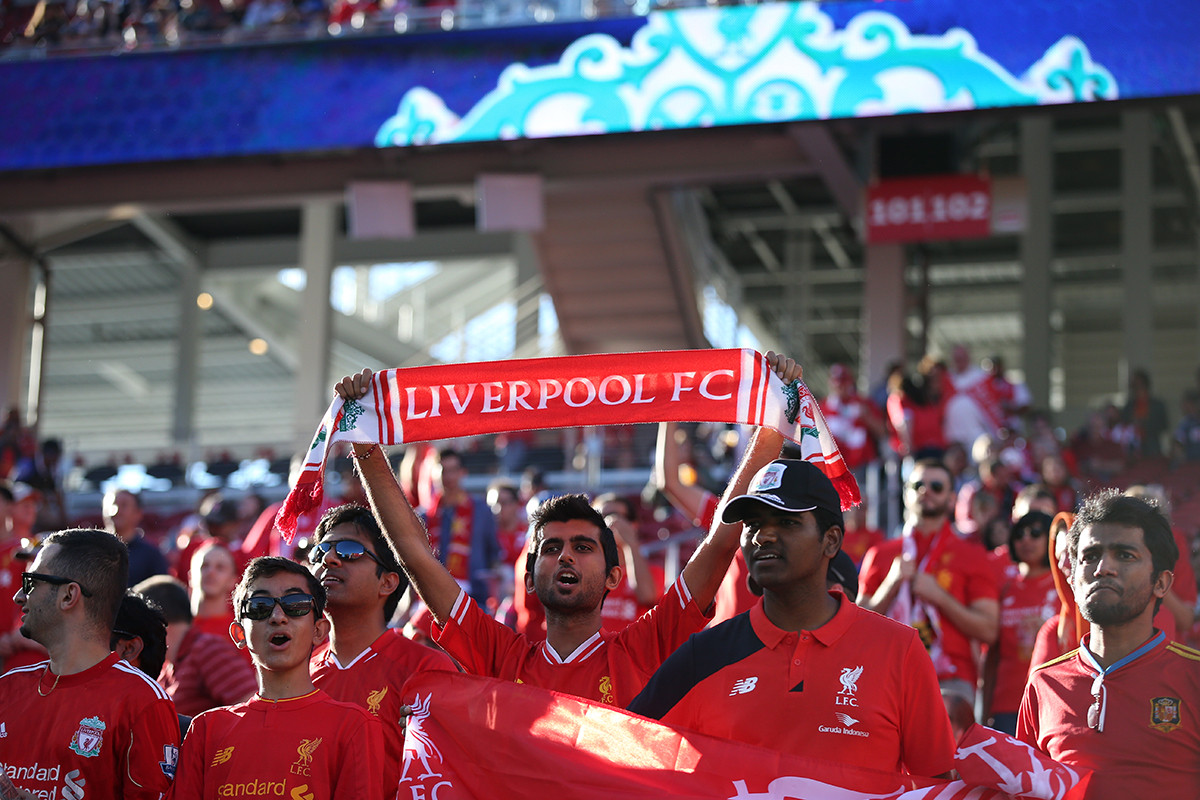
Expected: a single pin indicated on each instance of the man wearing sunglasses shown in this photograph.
(366, 663)
(290, 740)
(572, 564)
(935, 581)
(84, 723)
(1125, 703)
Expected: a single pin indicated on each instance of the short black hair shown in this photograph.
(449, 452)
(362, 518)
(170, 595)
(140, 616)
(566, 508)
(99, 562)
(826, 519)
(265, 567)
(1110, 506)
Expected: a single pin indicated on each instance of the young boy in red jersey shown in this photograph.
(366, 663)
(291, 739)
(84, 723)
(572, 564)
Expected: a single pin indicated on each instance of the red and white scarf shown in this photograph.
(422, 404)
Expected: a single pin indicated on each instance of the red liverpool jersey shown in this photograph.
(1150, 742)
(108, 731)
(858, 690)
(609, 667)
(304, 747)
(1025, 604)
(373, 681)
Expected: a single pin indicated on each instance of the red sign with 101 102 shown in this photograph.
(929, 208)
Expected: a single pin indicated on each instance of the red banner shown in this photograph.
(931, 208)
(472, 738)
(421, 404)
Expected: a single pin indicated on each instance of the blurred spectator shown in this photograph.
(642, 585)
(956, 460)
(1186, 446)
(461, 529)
(203, 670)
(1147, 415)
(214, 574)
(122, 518)
(934, 580)
(510, 535)
(916, 409)
(966, 417)
(40, 470)
(1097, 447)
(1034, 497)
(140, 634)
(995, 478)
(853, 420)
(1057, 479)
(511, 525)
(220, 521)
(981, 509)
(19, 502)
(1181, 597)
(1026, 602)
(857, 538)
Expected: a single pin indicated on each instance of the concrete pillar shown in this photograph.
(1137, 231)
(15, 275)
(1037, 252)
(318, 229)
(884, 296)
(187, 356)
(527, 295)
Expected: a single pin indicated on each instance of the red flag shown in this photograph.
(473, 738)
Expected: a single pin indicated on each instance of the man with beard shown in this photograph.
(805, 671)
(1124, 704)
(931, 579)
(572, 564)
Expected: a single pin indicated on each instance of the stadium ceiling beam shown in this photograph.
(173, 240)
(1187, 147)
(830, 164)
(283, 252)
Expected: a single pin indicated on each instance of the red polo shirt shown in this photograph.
(608, 668)
(859, 690)
(961, 569)
(374, 680)
(1150, 745)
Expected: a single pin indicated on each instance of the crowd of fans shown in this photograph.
(979, 572)
(75, 26)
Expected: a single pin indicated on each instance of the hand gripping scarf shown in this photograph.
(423, 404)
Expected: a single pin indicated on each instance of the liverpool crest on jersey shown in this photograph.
(88, 740)
(1164, 713)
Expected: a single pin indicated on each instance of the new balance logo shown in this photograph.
(846, 719)
(744, 686)
(221, 756)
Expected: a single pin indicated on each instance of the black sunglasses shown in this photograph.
(1032, 533)
(28, 579)
(344, 549)
(294, 605)
(937, 487)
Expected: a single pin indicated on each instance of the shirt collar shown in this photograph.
(827, 634)
(1086, 655)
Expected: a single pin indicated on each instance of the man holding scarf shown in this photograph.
(935, 581)
(571, 572)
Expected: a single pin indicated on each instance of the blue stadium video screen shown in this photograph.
(730, 65)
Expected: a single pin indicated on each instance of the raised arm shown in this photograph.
(707, 568)
(688, 499)
(399, 522)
